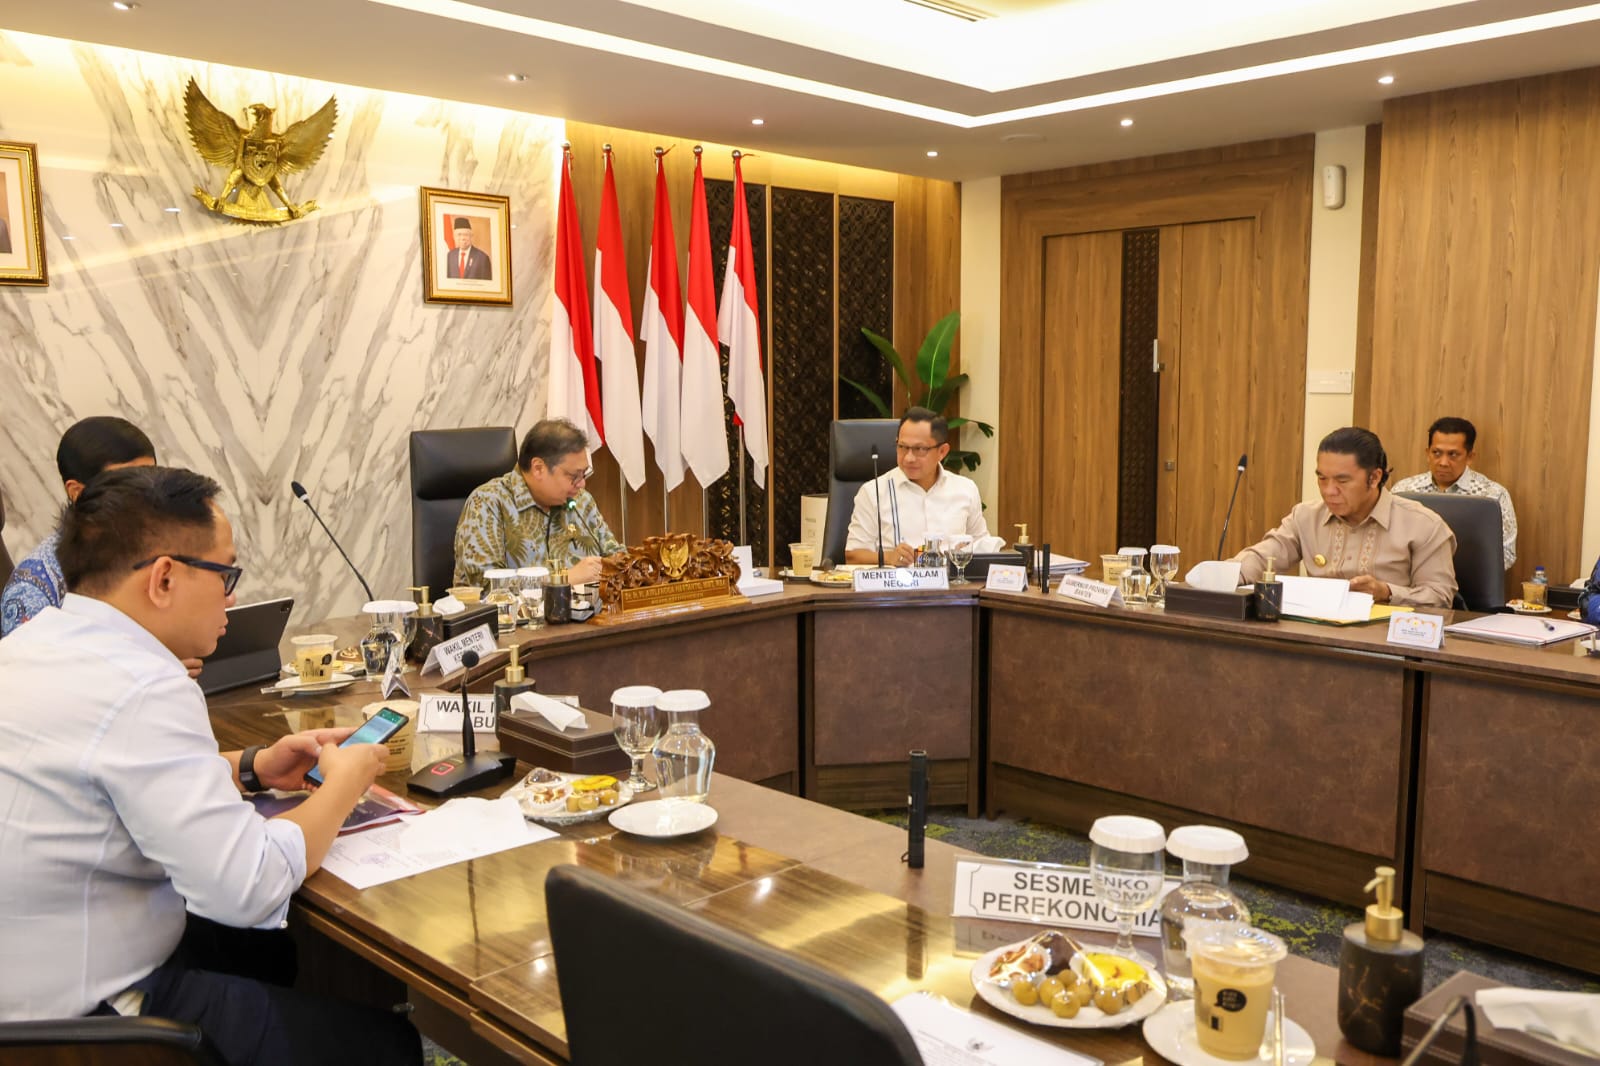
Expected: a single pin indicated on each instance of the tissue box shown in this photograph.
(468, 620)
(1186, 599)
(591, 750)
(1496, 1047)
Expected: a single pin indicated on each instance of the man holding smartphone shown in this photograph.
(135, 869)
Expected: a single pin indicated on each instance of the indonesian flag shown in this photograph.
(661, 329)
(739, 327)
(705, 437)
(613, 339)
(574, 386)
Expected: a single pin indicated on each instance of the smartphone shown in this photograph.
(379, 728)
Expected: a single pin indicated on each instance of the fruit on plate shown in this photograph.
(595, 783)
(1064, 1005)
(1046, 953)
(1110, 971)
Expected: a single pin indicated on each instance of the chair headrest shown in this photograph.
(850, 447)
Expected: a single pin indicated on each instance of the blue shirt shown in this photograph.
(35, 584)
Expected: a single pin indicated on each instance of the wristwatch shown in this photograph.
(247, 769)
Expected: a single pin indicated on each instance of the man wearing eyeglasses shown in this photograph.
(137, 879)
(523, 517)
(917, 497)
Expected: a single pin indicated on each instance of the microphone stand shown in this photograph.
(470, 770)
(1469, 1046)
(1238, 477)
(304, 497)
(877, 499)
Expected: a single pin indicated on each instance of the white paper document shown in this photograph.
(949, 1036)
(462, 829)
(1328, 598)
(1530, 630)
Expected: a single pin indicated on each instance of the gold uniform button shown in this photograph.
(1320, 560)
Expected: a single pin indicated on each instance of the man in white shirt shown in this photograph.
(129, 850)
(1451, 446)
(918, 497)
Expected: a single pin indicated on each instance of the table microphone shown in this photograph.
(917, 809)
(1229, 516)
(877, 499)
(305, 498)
(469, 770)
(1469, 1044)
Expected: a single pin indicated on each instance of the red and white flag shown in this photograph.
(739, 327)
(705, 436)
(574, 386)
(661, 329)
(613, 339)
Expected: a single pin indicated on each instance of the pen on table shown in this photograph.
(1550, 627)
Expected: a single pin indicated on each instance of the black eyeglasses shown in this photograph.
(230, 574)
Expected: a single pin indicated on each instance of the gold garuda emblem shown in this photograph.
(256, 158)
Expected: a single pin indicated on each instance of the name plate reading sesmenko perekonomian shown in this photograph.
(1043, 893)
(899, 579)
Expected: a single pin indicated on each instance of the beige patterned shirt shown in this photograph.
(1401, 543)
(501, 525)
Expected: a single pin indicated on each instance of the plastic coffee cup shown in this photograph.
(1111, 568)
(313, 656)
(400, 744)
(466, 593)
(1234, 965)
(802, 557)
(1534, 594)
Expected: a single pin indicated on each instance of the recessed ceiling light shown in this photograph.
(1125, 123)
(1387, 79)
(758, 122)
(67, 238)
(933, 155)
(516, 77)
(172, 210)
(124, 5)
(116, 225)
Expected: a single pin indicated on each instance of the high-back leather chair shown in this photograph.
(446, 465)
(6, 565)
(1480, 546)
(105, 1041)
(724, 997)
(850, 444)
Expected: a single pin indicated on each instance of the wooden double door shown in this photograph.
(1147, 382)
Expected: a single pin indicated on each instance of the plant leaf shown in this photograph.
(872, 397)
(933, 358)
(939, 399)
(891, 357)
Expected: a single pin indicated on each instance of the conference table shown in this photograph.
(469, 944)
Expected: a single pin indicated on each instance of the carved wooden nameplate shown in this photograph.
(665, 575)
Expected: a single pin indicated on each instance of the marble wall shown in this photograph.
(261, 355)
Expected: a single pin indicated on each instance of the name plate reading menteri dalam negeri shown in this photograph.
(1043, 893)
(900, 579)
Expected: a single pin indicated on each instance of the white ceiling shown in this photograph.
(880, 83)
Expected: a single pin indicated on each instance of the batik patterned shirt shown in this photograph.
(1473, 483)
(35, 584)
(502, 526)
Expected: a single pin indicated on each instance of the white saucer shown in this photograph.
(1170, 1031)
(663, 819)
(293, 686)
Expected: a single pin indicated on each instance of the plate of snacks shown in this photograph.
(1050, 979)
(562, 799)
(836, 579)
(1524, 607)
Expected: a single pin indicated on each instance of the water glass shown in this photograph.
(960, 556)
(530, 592)
(637, 725)
(1163, 568)
(504, 597)
(685, 755)
(1126, 866)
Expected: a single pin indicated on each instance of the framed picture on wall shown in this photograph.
(21, 236)
(466, 247)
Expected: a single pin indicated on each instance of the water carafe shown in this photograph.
(1209, 854)
(684, 755)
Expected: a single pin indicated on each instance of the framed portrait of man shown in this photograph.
(21, 235)
(466, 247)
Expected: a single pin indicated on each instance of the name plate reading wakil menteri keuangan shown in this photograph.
(1043, 893)
(898, 579)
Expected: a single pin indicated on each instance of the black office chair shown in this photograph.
(1480, 548)
(106, 1041)
(6, 565)
(722, 998)
(849, 467)
(446, 465)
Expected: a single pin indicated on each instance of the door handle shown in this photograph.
(1155, 357)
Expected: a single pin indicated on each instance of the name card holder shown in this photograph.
(900, 579)
(1416, 630)
(441, 712)
(1042, 893)
(1094, 593)
(446, 655)
(1006, 578)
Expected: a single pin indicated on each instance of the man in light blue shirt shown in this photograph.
(128, 847)
(87, 448)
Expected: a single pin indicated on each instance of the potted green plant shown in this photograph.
(931, 386)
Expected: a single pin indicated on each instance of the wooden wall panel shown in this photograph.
(1484, 291)
(1077, 474)
(1268, 183)
(927, 266)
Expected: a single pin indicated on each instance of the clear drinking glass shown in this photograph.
(503, 595)
(1135, 580)
(960, 556)
(1126, 867)
(684, 755)
(1163, 568)
(532, 579)
(637, 725)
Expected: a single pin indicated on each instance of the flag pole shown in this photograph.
(743, 539)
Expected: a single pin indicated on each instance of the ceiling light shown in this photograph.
(116, 225)
(67, 238)
(172, 210)
(1125, 123)
(933, 155)
(124, 5)
(758, 122)
(1387, 79)
(516, 77)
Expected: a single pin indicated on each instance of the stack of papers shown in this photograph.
(1324, 599)
(1061, 565)
(1521, 629)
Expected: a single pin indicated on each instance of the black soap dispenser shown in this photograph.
(1380, 973)
(515, 681)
